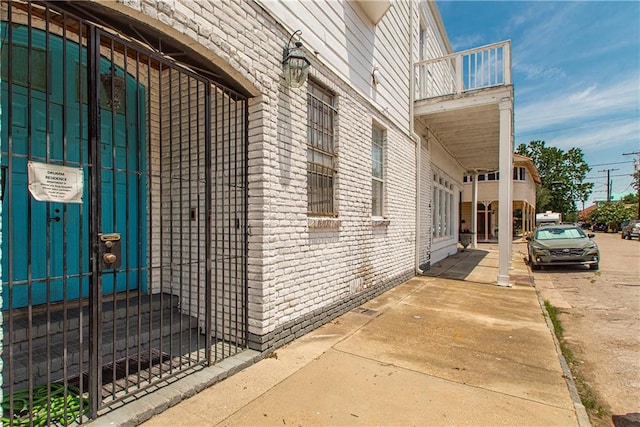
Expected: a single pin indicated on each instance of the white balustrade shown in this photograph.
(465, 71)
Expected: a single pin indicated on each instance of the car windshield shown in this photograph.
(559, 233)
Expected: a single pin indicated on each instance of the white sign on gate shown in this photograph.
(53, 183)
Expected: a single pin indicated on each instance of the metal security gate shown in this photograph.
(124, 217)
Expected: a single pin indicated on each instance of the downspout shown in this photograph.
(415, 136)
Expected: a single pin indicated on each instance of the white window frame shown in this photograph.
(443, 207)
(378, 138)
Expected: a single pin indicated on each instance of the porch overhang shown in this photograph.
(467, 125)
(476, 128)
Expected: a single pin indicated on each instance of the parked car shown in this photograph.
(631, 230)
(562, 245)
(599, 226)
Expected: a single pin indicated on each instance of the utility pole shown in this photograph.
(608, 183)
(636, 166)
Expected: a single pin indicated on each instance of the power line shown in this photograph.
(603, 177)
(614, 163)
(625, 190)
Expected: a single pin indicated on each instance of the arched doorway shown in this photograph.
(124, 215)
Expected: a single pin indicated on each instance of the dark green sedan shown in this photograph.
(562, 244)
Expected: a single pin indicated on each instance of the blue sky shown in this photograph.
(576, 75)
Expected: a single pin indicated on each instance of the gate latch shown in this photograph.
(110, 250)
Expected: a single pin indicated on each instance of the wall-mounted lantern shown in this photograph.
(295, 64)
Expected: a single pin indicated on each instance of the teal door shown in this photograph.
(46, 246)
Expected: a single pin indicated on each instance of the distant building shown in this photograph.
(484, 220)
(584, 214)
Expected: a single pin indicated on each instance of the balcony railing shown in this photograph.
(465, 71)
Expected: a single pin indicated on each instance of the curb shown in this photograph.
(176, 389)
(581, 411)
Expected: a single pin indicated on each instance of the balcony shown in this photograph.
(459, 98)
(470, 70)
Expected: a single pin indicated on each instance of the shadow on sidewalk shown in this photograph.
(480, 265)
(465, 263)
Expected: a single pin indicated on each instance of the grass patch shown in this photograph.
(589, 399)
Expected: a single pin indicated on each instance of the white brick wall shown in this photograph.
(294, 268)
(304, 267)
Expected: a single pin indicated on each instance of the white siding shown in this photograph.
(426, 175)
(349, 45)
(446, 166)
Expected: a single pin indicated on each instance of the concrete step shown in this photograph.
(128, 332)
(55, 319)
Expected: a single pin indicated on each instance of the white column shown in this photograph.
(474, 210)
(505, 222)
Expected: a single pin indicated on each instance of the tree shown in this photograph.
(630, 199)
(612, 214)
(562, 175)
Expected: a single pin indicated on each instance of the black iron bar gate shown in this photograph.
(124, 217)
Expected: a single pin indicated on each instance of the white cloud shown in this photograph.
(534, 71)
(584, 95)
(540, 26)
(466, 42)
(563, 108)
(611, 135)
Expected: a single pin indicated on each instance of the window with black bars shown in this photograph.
(321, 115)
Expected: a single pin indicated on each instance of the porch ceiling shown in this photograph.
(468, 125)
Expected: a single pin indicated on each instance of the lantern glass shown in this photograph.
(295, 67)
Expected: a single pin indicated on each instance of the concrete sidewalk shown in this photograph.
(435, 350)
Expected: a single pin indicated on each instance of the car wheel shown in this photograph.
(595, 267)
